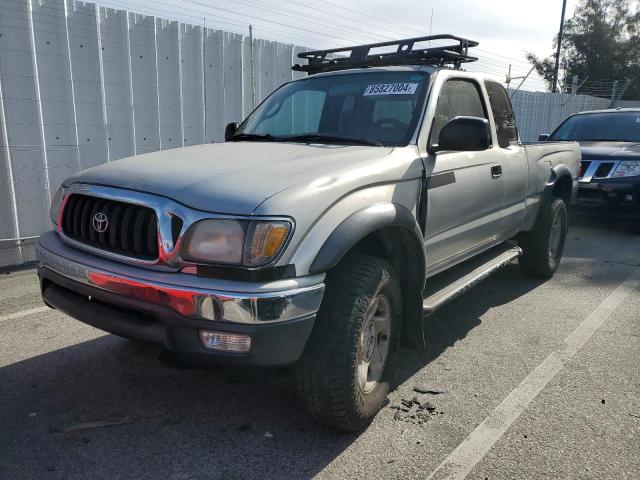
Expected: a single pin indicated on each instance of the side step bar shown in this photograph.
(437, 299)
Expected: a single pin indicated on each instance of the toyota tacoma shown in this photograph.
(319, 234)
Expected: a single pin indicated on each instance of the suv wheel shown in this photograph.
(343, 376)
(542, 247)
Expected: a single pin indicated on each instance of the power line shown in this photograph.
(331, 23)
(489, 61)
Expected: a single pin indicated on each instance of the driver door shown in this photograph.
(464, 189)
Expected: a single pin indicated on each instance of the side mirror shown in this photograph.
(229, 130)
(465, 134)
(543, 137)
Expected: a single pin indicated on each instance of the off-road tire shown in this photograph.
(536, 259)
(326, 376)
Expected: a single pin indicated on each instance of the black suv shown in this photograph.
(610, 172)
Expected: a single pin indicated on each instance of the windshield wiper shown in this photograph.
(319, 138)
(254, 137)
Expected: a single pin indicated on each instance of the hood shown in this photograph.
(233, 177)
(610, 150)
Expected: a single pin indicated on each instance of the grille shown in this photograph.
(603, 170)
(130, 230)
(584, 165)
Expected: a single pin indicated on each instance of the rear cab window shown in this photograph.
(503, 115)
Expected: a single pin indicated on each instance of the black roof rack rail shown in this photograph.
(359, 56)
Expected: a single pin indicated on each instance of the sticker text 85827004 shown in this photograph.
(391, 89)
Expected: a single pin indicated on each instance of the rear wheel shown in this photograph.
(343, 376)
(542, 247)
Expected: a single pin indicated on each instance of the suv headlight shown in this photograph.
(627, 169)
(235, 242)
(56, 203)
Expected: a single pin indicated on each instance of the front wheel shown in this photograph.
(542, 247)
(344, 374)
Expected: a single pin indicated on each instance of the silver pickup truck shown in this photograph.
(319, 234)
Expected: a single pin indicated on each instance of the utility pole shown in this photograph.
(555, 72)
(524, 79)
(431, 23)
(430, 27)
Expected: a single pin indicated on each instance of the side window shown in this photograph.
(457, 98)
(502, 114)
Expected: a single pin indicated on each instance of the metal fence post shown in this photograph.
(253, 69)
(614, 93)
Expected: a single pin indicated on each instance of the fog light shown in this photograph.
(628, 198)
(226, 342)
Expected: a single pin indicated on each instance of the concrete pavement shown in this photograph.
(78, 403)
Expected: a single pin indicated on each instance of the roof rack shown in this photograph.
(405, 54)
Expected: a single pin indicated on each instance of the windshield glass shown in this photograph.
(373, 108)
(614, 126)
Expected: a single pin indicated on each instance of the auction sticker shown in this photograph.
(391, 89)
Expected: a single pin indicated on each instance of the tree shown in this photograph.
(601, 41)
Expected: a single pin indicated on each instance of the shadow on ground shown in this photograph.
(108, 408)
(211, 423)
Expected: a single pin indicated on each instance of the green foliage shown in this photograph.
(601, 41)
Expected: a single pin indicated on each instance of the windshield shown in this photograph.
(373, 108)
(614, 126)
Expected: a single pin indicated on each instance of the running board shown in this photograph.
(460, 284)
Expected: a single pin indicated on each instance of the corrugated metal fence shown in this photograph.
(81, 85)
(541, 112)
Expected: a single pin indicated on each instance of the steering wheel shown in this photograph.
(400, 125)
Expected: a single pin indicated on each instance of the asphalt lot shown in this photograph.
(78, 403)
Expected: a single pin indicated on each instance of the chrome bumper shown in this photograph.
(265, 306)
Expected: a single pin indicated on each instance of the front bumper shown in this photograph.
(609, 197)
(171, 308)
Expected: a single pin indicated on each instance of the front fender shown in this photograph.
(360, 224)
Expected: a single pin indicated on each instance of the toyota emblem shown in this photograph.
(100, 222)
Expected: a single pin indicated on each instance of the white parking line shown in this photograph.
(473, 449)
(24, 313)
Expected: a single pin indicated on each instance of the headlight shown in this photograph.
(56, 202)
(627, 169)
(235, 242)
(215, 241)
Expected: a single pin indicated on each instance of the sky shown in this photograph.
(506, 29)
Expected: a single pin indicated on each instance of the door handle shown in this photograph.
(496, 171)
